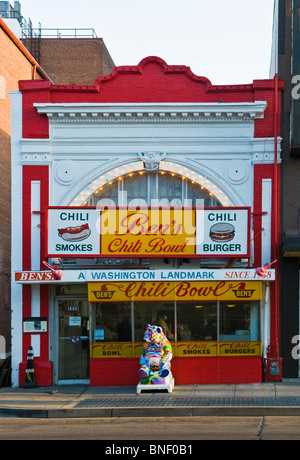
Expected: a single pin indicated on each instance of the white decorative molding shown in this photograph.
(35, 151)
(66, 172)
(263, 150)
(206, 138)
(236, 171)
(35, 158)
(151, 160)
(152, 113)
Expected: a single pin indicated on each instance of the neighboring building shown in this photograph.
(152, 135)
(286, 63)
(16, 64)
(79, 60)
(70, 57)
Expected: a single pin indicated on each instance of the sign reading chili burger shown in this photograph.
(148, 232)
(223, 232)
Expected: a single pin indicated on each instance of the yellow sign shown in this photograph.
(196, 349)
(209, 349)
(171, 291)
(180, 349)
(112, 350)
(240, 348)
(148, 232)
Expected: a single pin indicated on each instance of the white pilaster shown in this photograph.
(16, 238)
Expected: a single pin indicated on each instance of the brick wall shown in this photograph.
(72, 61)
(14, 67)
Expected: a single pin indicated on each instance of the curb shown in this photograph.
(150, 412)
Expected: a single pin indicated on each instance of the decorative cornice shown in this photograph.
(260, 150)
(35, 158)
(35, 151)
(263, 150)
(152, 113)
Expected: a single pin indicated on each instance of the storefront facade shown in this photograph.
(152, 193)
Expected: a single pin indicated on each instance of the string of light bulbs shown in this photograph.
(133, 168)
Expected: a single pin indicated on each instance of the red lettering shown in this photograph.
(157, 245)
(180, 290)
(125, 247)
(237, 275)
(241, 345)
(137, 223)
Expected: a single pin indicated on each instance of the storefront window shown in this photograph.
(112, 322)
(196, 322)
(239, 321)
(180, 321)
(156, 313)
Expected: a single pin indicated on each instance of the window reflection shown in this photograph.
(196, 321)
(239, 321)
(113, 322)
(155, 313)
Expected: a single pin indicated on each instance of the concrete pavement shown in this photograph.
(75, 401)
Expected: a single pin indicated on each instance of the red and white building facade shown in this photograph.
(144, 140)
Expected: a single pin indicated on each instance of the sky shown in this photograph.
(226, 41)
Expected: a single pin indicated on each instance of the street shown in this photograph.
(176, 430)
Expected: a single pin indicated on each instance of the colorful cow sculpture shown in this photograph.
(155, 361)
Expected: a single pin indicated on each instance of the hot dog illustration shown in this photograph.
(75, 233)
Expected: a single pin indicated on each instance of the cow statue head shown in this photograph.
(154, 335)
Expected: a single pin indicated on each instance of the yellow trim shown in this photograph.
(180, 349)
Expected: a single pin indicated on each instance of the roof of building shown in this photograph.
(23, 50)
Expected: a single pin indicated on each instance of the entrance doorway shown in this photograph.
(74, 343)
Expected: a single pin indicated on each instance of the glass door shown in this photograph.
(74, 344)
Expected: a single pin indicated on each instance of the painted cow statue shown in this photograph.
(155, 361)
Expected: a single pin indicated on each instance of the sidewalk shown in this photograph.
(75, 401)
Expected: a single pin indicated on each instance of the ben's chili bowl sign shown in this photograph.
(170, 291)
(149, 232)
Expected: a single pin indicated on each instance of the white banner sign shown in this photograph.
(84, 276)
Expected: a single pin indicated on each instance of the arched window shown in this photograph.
(143, 189)
(155, 188)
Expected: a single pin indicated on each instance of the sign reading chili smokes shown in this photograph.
(148, 232)
(73, 232)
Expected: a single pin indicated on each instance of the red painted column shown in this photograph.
(42, 364)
